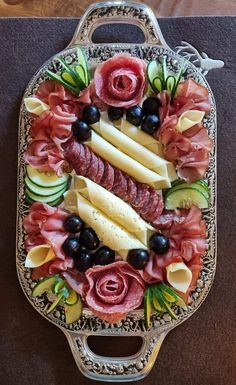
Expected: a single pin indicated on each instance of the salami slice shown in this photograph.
(100, 172)
(92, 170)
(108, 176)
(131, 190)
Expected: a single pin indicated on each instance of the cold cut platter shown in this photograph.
(116, 227)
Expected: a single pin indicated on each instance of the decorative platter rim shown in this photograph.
(134, 323)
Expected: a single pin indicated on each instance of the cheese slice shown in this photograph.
(133, 149)
(125, 163)
(115, 208)
(35, 106)
(110, 233)
(39, 255)
(188, 119)
(179, 276)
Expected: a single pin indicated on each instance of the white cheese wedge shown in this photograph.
(188, 119)
(110, 233)
(115, 208)
(35, 106)
(39, 255)
(179, 276)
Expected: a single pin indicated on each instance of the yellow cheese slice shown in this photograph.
(130, 147)
(110, 233)
(39, 255)
(115, 208)
(125, 163)
(179, 276)
(35, 106)
(188, 119)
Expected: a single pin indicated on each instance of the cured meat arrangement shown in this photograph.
(115, 183)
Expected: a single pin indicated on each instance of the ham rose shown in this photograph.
(121, 81)
(45, 156)
(114, 290)
(45, 224)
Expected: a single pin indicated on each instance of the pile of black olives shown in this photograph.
(81, 244)
(81, 127)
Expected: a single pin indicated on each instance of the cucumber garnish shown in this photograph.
(74, 77)
(55, 303)
(72, 298)
(46, 284)
(147, 306)
(73, 312)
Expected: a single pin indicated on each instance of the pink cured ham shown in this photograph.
(45, 156)
(113, 290)
(46, 222)
(54, 94)
(195, 265)
(144, 199)
(190, 95)
(189, 151)
(121, 81)
(187, 236)
(54, 125)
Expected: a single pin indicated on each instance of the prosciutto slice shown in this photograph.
(46, 223)
(54, 125)
(189, 151)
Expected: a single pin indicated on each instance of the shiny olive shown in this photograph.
(115, 113)
(73, 224)
(71, 246)
(104, 255)
(91, 114)
(138, 258)
(159, 243)
(88, 238)
(81, 130)
(150, 124)
(134, 115)
(83, 260)
(151, 106)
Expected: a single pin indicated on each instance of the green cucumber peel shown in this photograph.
(58, 79)
(178, 79)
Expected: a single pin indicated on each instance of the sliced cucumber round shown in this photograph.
(152, 72)
(45, 179)
(55, 303)
(185, 198)
(42, 191)
(72, 299)
(45, 199)
(46, 284)
(183, 185)
(73, 313)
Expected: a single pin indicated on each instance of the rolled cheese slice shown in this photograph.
(125, 163)
(179, 276)
(115, 208)
(39, 255)
(133, 149)
(35, 106)
(188, 119)
(110, 233)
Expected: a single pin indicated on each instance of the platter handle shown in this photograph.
(111, 12)
(114, 369)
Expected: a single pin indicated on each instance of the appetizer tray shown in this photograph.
(60, 203)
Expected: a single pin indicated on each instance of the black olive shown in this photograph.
(81, 130)
(73, 224)
(83, 260)
(134, 115)
(151, 106)
(159, 243)
(138, 258)
(71, 246)
(103, 256)
(88, 238)
(115, 113)
(91, 114)
(150, 124)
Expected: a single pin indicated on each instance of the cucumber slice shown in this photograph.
(80, 72)
(164, 72)
(155, 302)
(57, 201)
(45, 179)
(169, 295)
(68, 78)
(59, 286)
(55, 303)
(180, 302)
(58, 78)
(164, 304)
(83, 62)
(73, 313)
(185, 198)
(152, 72)
(178, 78)
(42, 191)
(147, 307)
(46, 284)
(45, 199)
(157, 84)
(203, 188)
(72, 299)
(170, 83)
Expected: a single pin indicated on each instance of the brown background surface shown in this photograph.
(201, 351)
(77, 7)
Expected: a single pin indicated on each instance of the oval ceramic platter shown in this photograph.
(135, 176)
